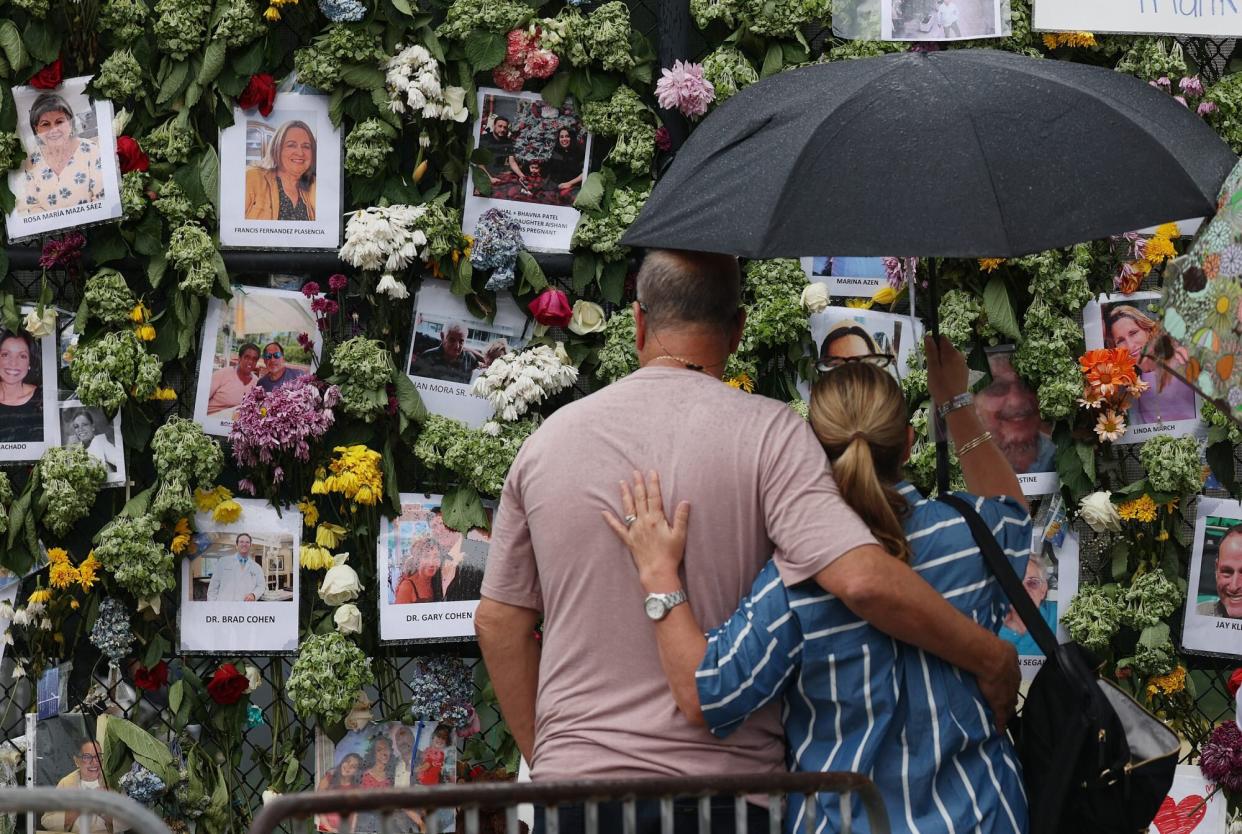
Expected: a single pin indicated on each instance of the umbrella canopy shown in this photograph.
(961, 153)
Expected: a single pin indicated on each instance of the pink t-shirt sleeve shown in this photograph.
(511, 575)
(806, 518)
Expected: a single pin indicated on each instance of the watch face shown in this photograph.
(655, 608)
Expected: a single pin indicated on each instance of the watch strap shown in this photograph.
(954, 403)
(669, 601)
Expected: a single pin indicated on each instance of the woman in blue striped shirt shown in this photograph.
(855, 699)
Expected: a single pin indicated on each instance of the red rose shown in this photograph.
(227, 685)
(151, 679)
(260, 92)
(131, 155)
(551, 308)
(49, 77)
(1234, 683)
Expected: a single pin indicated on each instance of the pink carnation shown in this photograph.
(540, 63)
(519, 42)
(684, 88)
(508, 77)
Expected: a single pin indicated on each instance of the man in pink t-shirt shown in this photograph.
(592, 701)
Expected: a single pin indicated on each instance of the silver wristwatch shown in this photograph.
(658, 605)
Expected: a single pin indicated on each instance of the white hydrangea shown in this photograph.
(413, 79)
(385, 239)
(517, 381)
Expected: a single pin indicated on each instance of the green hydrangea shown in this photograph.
(1046, 356)
(1226, 94)
(605, 37)
(1059, 279)
(625, 117)
(1151, 58)
(368, 146)
(70, 479)
(762, 17)
(177, 207)
(108, 298)
(1150, 598)
(499, 16)
(124, 19)
(618, 357)
(1222, 425)
(173, 141)
(321, 63)
(601, 231)
(729, 71)
(6, 498)
(173, 499)
(960, 312)
(34, 8)
(1149, 661)
(477, 458)
(1059, 387)
(327, 677)
(774, 316)
(180, 448)
(192, 253)
(240, 23)
(362, 368)
(914, 379)
(1172, 465)
(800, 406)
(851, 49)
(11, 151)
(120, 76)
(133, 194)
(1093, 617)
(441, 223)
(109, 369)
(181, 26)
(921, 467)
(127, 549)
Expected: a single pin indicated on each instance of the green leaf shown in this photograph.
(106, 244)
(1120, 554)
(1154, 636)
(533, 279)
(1086, 456)
(591, 192)
(484, 50)
(176, 80)
(209, 177)
(583, 272)
(248, 62)
(556, 89)
(603, 86)
(156, 268)
(147, 238)
(363, 76)
(42, 41)
(463, 279)
(403, 6)
(612, 281)
(999, 309)
(336, 106)
(462, 509)
(213, 62)
(11, 43)
(148, 752)
(409, 402)
(156, 649)
(482, 183)
(773, 61)
(1220, 459)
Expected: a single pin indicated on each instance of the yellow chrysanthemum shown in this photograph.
(742, 382)
(990, 264)
(183, 537)
(88, 572)
(272, 14)
(355, 474)
(62, 575)
(314, 557)
(1168, 230)
(1159, 249)
(329, 535)
(1077, 39)
(57, 555)
(227, 511)
(1142, 508)
(208, 499)
(1169, 684)
(310, 512)
(40, 597)
(859, 303)
(887, 295)
(162, 393)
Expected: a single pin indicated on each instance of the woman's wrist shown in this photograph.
(660, 581)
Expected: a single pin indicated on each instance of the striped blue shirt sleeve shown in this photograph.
(752, 657)
(1009, 522)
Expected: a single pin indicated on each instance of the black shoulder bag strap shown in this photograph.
(1005, 575)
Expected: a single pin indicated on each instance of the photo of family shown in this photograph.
(29, 419)
(539, 156)
(280, 176)
(67, 756)
(942, 20)
(1169, 406)
(387, 755)
(423, 563)
(1051, 575)
(450, 348)
(70, 175)
(1213, 615)
(1009, 408)
(242, 575)
(252, 340)
(847, 277)
(81, 425)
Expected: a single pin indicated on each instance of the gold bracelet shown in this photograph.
(974, 443)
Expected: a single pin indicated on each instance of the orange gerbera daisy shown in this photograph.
(1108, 370)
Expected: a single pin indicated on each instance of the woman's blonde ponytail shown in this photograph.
(859, 415)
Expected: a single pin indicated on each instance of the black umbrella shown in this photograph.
(963, 153)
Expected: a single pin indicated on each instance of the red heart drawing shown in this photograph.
(1177, 817)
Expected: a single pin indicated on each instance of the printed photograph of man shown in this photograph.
(498, 141)
(448, 360)
(1227, 578)
(1009, 409)
(237, 579)
(86, 775)
(230, 384)
(275, 371)
(943, 20)
(1038, 581)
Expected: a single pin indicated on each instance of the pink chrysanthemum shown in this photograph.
(1191, 85)
(270, 428)
(1220, 758)
(540, 63)
(684, 88)
(1206, 108)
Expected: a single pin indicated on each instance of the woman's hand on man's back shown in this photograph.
(656, 546)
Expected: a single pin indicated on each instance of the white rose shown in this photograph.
(348, 619)
(254, 676)
(340, 583)
(269, 795)
(40, 325)
(455, 97)
(1098, 510)
(587, 318)
(815, 297)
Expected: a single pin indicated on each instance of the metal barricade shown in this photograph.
(86, 803)
(474, 798)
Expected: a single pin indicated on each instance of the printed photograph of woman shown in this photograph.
(1167, 398)
(281, 185)
(21, 401)
(64, 169)
(91, 428)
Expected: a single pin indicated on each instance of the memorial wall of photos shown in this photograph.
(206, 465)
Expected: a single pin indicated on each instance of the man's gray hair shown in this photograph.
(679, 287)
(453, 326)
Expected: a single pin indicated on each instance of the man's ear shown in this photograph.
(740, 327)
(640, 327)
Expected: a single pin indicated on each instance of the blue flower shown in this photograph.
(343, 11)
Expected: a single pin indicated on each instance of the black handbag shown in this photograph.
(1093, 759)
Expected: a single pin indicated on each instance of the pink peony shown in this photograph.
(508, 77)
(684, 88)
(540, 63)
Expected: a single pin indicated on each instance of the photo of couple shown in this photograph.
(539, 153)
(390, 755)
